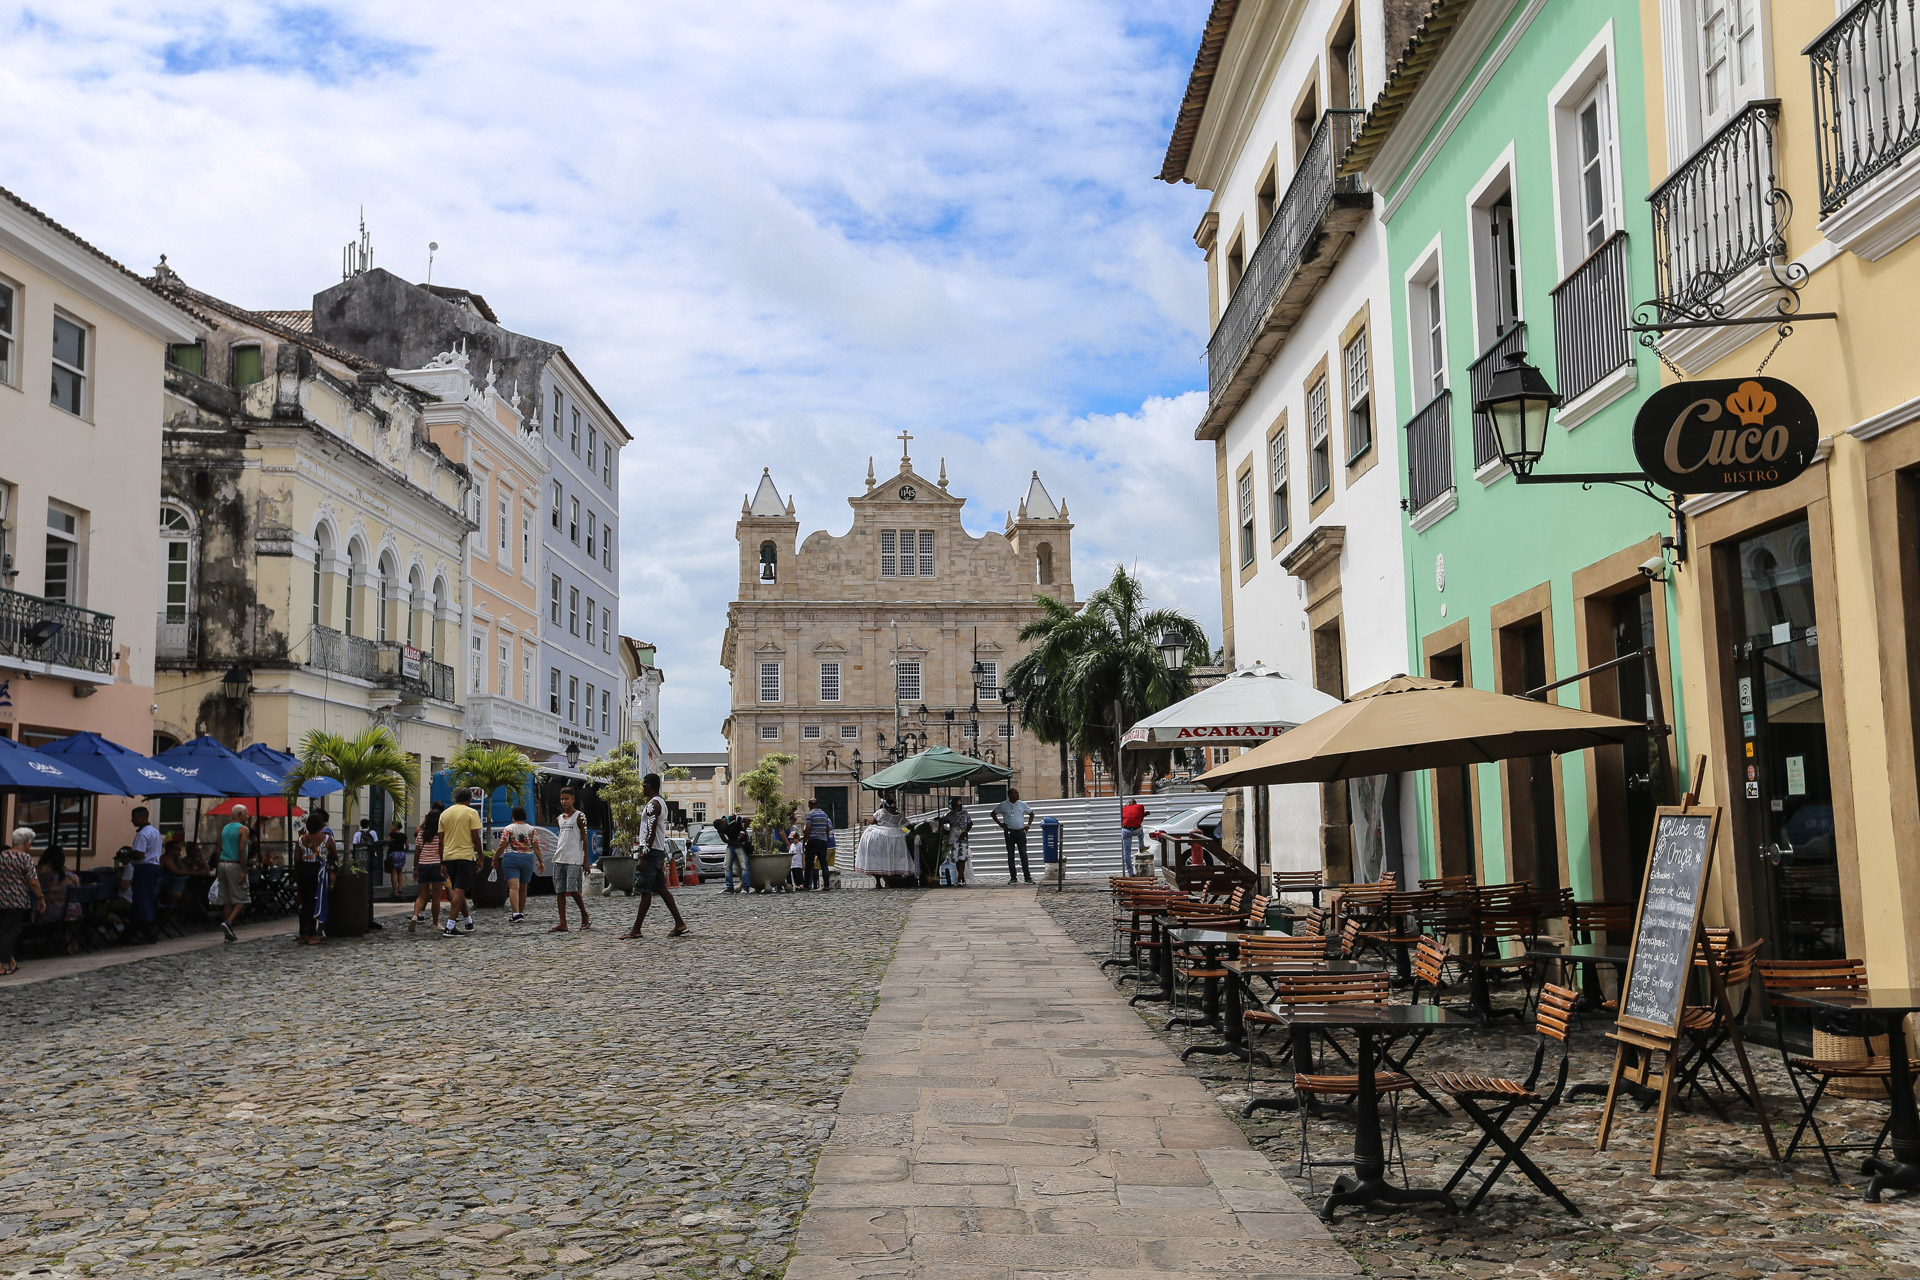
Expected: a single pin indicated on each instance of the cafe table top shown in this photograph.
(1610, 953)
(1360, 1017)
(1220, 935)
(1856, 999)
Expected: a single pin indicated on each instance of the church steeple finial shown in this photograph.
(906, 462)
(870, 479)
(943, 473)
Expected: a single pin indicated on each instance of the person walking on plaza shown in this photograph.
(1014, 816)
(147, 848)
(368, 847)
(19, 894)
(570, 862)
(959, 825)
(429, 873)
(396, 856)
(1133, 817)
(818, 828)
(460, 852)
(733, 829)
(520, 862)
(231, 871)
(651, 878)
(314, 857)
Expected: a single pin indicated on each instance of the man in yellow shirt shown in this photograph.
(460, 852)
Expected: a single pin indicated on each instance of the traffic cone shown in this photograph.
(673, 874)
(692, 878)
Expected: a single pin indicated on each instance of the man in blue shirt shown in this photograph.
(147, 848)
(819, 840)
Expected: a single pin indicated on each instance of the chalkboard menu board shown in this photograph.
(1663, 932)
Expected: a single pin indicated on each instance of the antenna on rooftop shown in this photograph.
(357, 259)
(433, 247)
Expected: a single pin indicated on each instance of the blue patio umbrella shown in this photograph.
(24, 769)
(139, 775)
(282, 763)
(206, 761)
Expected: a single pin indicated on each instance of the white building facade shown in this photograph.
(1307, 455)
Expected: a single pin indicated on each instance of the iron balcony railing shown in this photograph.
(423, 677)
(177, 636)
(342, 654)
(1717, 214)
(1430, 451)
(40, 630)
(1287, 238)
(1479, 376)
(1590, 318)
(1866, 95)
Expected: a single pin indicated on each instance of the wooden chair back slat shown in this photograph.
(1812, 975)
(1555, 1012)
(1330, 988)
(1259, 949)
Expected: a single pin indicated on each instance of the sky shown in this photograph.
(772, 235)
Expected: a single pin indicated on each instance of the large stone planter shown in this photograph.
(618, 871)
(764, 870)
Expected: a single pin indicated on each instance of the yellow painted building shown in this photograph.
(1777, 136)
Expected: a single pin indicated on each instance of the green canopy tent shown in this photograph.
(934, 769)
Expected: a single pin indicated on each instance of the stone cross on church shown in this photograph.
(836, 642)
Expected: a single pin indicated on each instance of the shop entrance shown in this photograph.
(833, 800)
(1780, 751)
(1644, 783)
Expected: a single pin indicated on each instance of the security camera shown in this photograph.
(1654, 568)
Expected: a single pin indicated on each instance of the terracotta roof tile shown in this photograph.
(1206, 61)
(1403, 84)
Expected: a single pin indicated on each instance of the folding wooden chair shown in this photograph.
(1474, 1093)
(1706, 1030)
(1493, 930)
(1784, 977)
(1310, 1083)
(1311, 883)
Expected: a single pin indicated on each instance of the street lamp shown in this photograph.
(237, 683)
(1173, 649)
(856, 786)
(1518, 402)
(573, 755)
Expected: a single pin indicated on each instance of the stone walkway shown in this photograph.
(1009, 1115)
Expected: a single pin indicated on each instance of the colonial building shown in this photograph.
(312, 539)
(82, 344)
(506, 461)
(404, 325)
(1300, 381)
(640, 702)
(703, 794)
(891, 635)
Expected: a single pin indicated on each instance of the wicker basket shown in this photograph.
(1832, 1046)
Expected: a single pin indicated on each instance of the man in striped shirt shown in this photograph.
(819, 840)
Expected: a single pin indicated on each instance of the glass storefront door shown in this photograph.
(1781, 747)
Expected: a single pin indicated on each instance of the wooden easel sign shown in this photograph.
(1660, 967)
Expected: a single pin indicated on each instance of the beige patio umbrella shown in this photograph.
(1409, 723)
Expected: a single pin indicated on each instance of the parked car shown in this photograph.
(711, 852)
(1203, 818)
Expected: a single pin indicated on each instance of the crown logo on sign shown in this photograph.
(1751, 403)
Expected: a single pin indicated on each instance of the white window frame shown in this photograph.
(908, 682)
(9, 334)
(926, 553)
(556, 411)
(74, 538)
(573, 699)
(1249, 533)
(590, 608)
(770, 682)
(849, 733)
(1320, 437)
(1427, 336)
(559, 501)
(810, 733)
(1498, 181)
(553, 691)
(553, 602)
(184, 537)
(575, 438)
(606, 544)
(593, 533)
(1356, 365)
(573, 611)
(83, 371)
(593, 446)
(526, 540)
(527, 678)
(830, 682)
(889, 553)
(1279, 487)
(477, 661)
(588, 703)
(503, 669)
(606, 630)
(606, 711)
(573, 521)
(987, 683)
(769, 732)
(1590, 76)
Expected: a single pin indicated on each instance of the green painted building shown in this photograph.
(1509, 150)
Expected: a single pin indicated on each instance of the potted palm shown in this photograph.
(492, 770)
(773, 813)
(371, 759)
(618, 776)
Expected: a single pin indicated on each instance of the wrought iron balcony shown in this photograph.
(1430, 451)
(1866, 95)
(412, 671)
(34, 629)
(177, 636)
(1479, 379)
(1591, 313)
(342, 654)
(1296, 253)
(1718, 214)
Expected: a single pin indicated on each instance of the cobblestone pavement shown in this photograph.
(1721, 1209)
(509, 1103)
(1010, 1118)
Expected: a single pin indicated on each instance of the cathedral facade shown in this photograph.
(892, 636)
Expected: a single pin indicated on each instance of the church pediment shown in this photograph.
(768, 646)
(905, 490)
(829, 646)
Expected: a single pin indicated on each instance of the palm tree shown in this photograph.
(370, 759)
(490, 768)
(1093, 672)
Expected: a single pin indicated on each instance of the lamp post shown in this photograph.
(856, 786)
(236, 684)
(1173, 649)
(1007, 700)
(949, 719)
(573, 755)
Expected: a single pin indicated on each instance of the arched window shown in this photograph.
(322, 552)
(388, 574)
(769, 562)
(176, 564)
(414, 602)
(1043, 564)
(353, 579)
(439, 612)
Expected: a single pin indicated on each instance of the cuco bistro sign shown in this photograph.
(1723, 435)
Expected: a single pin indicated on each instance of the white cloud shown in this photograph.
(771, 234)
